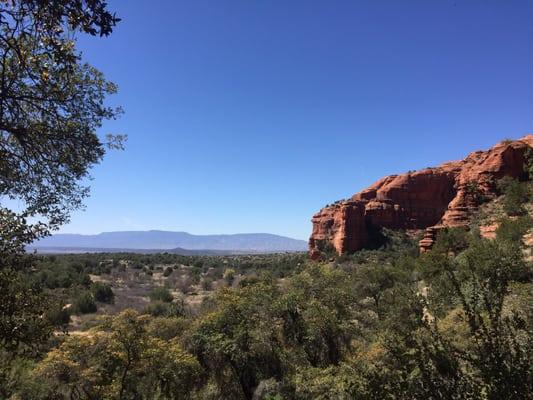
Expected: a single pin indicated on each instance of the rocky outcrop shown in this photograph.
(431, 199)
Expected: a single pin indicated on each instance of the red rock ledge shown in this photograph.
(431, 199)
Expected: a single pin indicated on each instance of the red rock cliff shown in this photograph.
(432, 198)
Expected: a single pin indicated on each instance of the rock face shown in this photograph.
(431, 199)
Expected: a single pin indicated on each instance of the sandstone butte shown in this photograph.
(430, 199)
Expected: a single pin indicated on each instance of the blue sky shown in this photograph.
(249, 116)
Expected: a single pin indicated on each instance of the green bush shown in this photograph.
(102, 292)
(229, 275)
(386, 323)
(326, 249)
(452, 239)
(164, 309)
(58, 316)
(157, 309)
(474, 193)
(399, 242)
(515, 194)
(207, 284)
(84, 303)
(514, 230)
(161, 294)
(168, 271)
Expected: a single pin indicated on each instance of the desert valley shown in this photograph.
(184, 249)
(236, 318)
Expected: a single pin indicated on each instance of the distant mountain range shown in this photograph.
(176, 242)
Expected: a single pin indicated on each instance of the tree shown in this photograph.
(51, 104)
(513, 230)
(22, 326)
(84, 303)
(102, 292)
(161, 293)
(229, 275)
(239, 342)
(317, 311)
(120, 360)
(21, 310)
(374, 281)
(516, 195)
(479, 349)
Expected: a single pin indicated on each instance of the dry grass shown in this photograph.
(132, 289)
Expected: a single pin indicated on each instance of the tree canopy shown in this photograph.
(51, 105)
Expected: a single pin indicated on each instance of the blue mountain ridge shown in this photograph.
(167, 240)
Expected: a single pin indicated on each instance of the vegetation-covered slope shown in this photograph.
(452, 323)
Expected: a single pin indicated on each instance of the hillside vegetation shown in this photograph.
(452, 323)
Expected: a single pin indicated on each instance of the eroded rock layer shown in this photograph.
(431, 199)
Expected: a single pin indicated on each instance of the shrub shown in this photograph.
(157, 309)
(514, 230)
(161, 309)
(516, 195)
(207, 284)
(161, 294)
(85, 280)
(474, 193)
(58, 316)
(326, 249)
(167, 328)
(84, 303)
(102, 292)
(196, 272)
(229, 275)
(452, 239)
(399, 242)
(185, 285)
(176, 309)
(493, 262)
(136, 265)
(168, 271)
(249, 280)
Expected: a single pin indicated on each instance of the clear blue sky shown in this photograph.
(249, 116)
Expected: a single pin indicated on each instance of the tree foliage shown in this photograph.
(452, 323)
(102, 292)
(51, 104)
(120, 360)
(515, 194)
